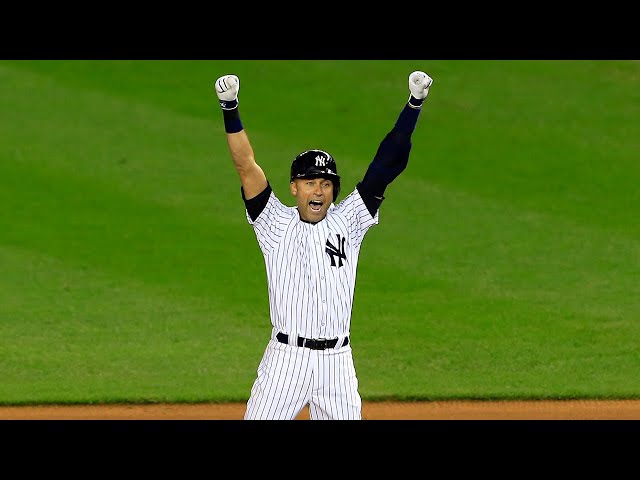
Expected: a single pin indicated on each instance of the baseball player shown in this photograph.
(311, 253)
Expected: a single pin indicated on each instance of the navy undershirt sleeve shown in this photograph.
(390, 160)
(256, 205)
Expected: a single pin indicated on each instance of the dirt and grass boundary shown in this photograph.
(438, 410)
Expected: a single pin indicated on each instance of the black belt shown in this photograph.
(313, 344)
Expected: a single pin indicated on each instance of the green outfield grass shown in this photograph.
(506, 264)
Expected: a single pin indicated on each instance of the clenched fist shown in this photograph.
(419, 83)
(227, 88)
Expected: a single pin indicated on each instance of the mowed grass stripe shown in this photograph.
(519, 301)
(87, 224)
(468, 240)
(72, 334)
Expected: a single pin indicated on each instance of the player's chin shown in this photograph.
(313, 215)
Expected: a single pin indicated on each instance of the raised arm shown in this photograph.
(392, 155)
(252, 178)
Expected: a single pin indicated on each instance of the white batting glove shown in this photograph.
(419, 83)
(227, 88)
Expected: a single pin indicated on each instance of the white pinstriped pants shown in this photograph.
(290, 377)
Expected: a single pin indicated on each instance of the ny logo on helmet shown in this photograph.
(320, 161)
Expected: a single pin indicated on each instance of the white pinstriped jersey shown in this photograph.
(311, 268)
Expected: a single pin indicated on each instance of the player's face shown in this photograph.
(313, 196)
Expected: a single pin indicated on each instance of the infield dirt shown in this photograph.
(453, 410)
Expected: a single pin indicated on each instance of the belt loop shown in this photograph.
(339, 342)
(293, 339)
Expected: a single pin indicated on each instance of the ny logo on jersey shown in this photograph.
(336, 252)
(320, 161)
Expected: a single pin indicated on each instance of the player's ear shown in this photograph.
(293, 188)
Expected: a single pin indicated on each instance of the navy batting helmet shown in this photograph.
(316, 164)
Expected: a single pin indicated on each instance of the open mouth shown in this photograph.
(315, 205)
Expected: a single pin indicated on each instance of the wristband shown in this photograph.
(232, 123)
(415, 102)
(228, 104)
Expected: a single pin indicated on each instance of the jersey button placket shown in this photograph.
(322, 287)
